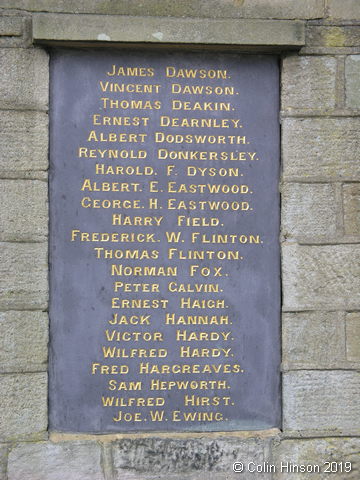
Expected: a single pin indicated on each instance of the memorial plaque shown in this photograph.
(164, 249)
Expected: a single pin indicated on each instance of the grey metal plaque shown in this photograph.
(164, 248)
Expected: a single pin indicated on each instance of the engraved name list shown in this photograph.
(164, 207)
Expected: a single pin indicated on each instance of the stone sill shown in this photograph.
(107, 30)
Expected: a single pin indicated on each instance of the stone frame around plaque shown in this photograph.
(294, 38)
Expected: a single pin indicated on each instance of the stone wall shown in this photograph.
(320, 257)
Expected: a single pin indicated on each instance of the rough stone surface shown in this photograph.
(346, 9)
(24, 78)
(3, 461)
(308, 83)
(11, 26)
(23, 276)
(187, 8)
(170, 30)
(324, 36)
(23, 143)
(124, 475)
(309, 210)
(353, 336)
(313, 340)
(23, 341)
(351, 199)
(326, 148)
(15, 29)
(170, 456)
(316, 452)
(23, 211)
(47, 461)
(23, 406)
(322, 401)
(324, 277)
(352, 76)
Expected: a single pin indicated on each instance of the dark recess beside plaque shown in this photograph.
(164, 248)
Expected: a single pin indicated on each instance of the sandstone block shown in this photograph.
(187, 8)
(48, 461)
(200, 475)
(48, 27)
(11, 26)
(23, 143)
(281, 9)
(344, 10)
(308, 83)
(308, 210)
(321, 277)
(322, 401)
(15, 30)
(324, 36)
(313, 340)
(23, 341)
(151, 457)
(352, 81)
(23, 276)
(326, 148)
(23, 405)
(25, 78)
(351, 200)
(317, 452)
(3, 461)
(23, 211)
(353, 336)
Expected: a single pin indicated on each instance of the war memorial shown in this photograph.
(180, 240)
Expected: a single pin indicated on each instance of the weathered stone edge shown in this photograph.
(118, 28)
